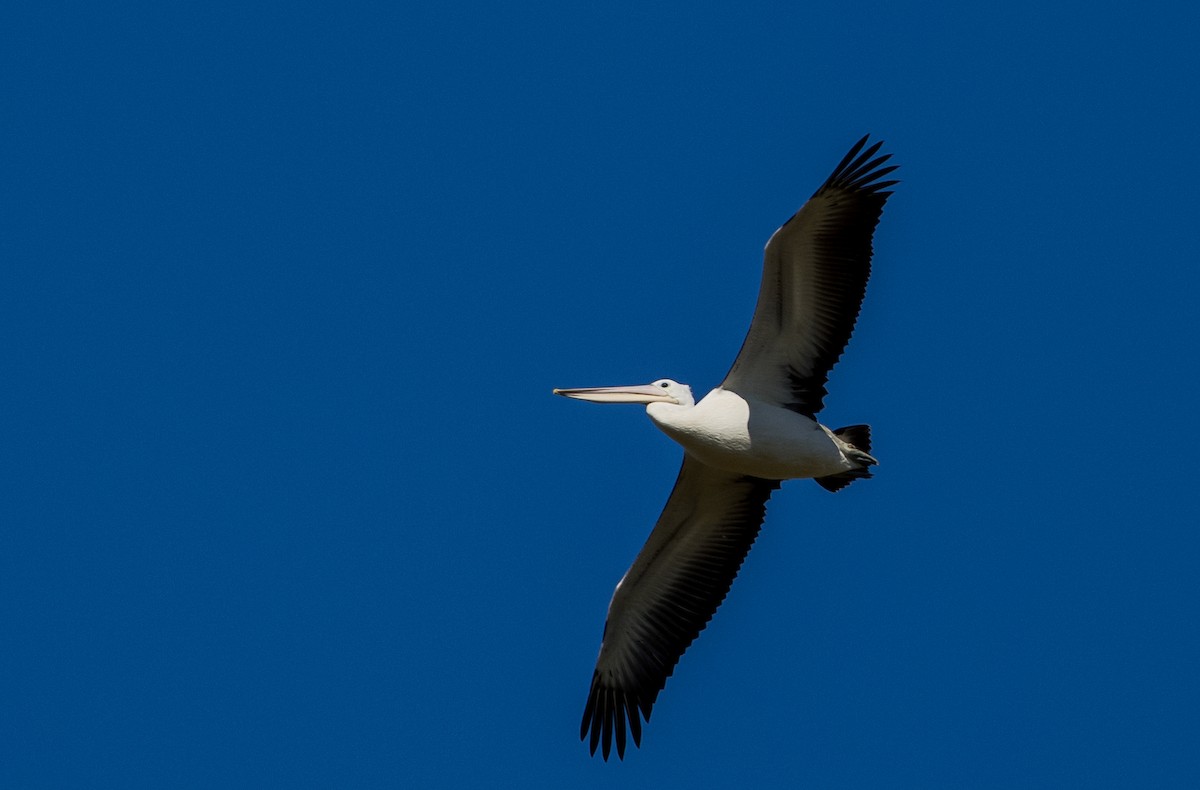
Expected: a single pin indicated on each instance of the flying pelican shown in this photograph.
(740, 441)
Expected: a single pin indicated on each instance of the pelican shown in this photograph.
(740, 441)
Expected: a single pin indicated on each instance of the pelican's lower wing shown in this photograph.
(669, 594)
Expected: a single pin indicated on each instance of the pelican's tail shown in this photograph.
(858, 441)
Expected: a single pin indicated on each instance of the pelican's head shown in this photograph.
(661, 391)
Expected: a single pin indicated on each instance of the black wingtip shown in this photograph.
(853, 152)
(610, 717)
(860, 170)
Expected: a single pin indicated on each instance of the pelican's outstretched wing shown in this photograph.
(815, 272)
(669, 594)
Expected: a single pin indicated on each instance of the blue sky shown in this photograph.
(285, 289)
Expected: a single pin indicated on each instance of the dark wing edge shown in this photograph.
(668, 596)
(814, 279)
(856, 172)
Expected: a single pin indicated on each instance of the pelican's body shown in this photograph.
(752, 437)
(740, 441)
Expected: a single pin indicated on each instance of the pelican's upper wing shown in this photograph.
(815, 272)
(669, 594)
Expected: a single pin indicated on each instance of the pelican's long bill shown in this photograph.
(638, 393)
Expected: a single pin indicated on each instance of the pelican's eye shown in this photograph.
(664, 384)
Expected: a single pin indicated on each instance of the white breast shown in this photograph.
(726, 431)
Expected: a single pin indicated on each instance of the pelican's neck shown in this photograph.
(662, 411)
